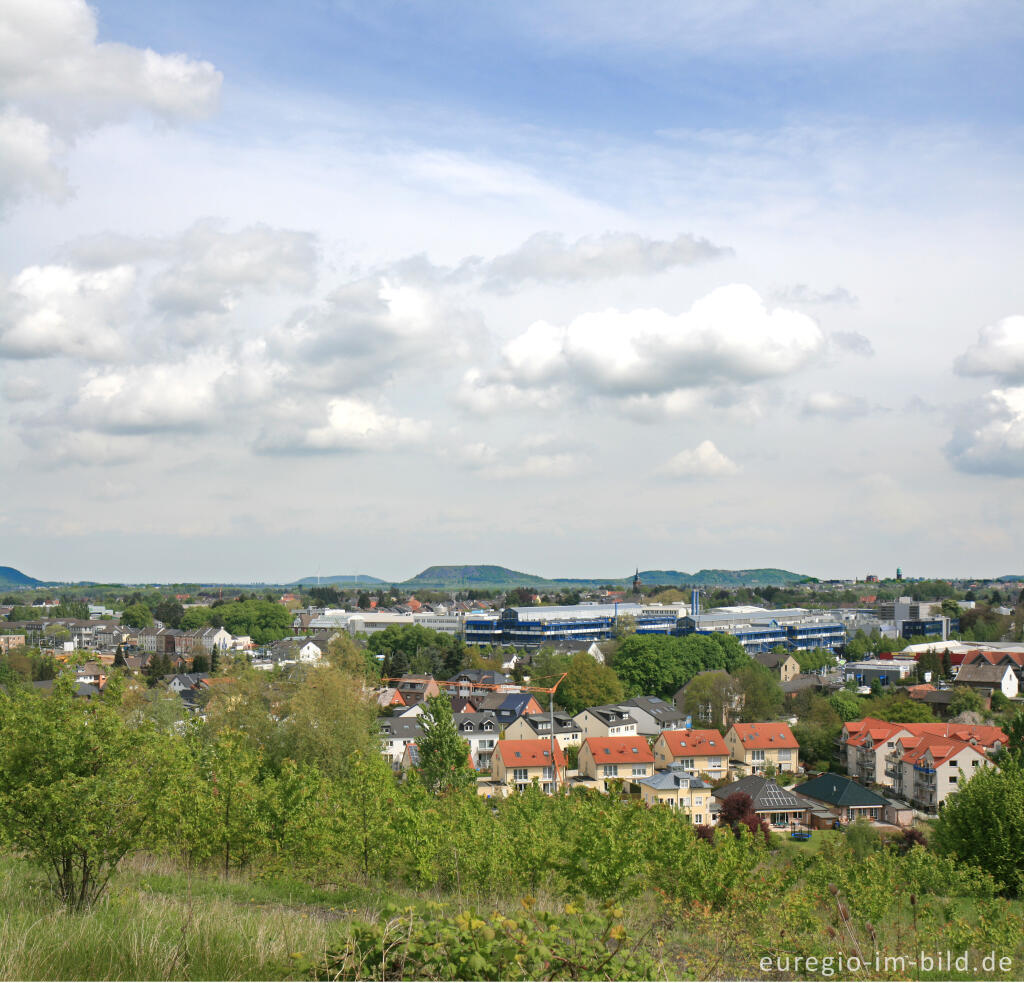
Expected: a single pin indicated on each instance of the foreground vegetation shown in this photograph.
(271, 841)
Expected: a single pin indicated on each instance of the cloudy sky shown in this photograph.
(566, 285)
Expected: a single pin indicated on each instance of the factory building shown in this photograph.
(761, 630)
(532, 626)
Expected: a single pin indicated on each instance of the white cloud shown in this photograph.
(800, 293)
(547, 258)
(155, 398)
(354, 424)
(57, 81)
(838, 406)
(703, 461)
(728, 338)
(23, 389)
(50, 311)
(990, 439)
(999, 352)
(213, 268)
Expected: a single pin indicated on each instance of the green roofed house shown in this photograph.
(843, 796)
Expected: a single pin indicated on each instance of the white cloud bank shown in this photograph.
(998, 352)
(57, 82)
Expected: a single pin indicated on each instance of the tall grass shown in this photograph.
(154, 925)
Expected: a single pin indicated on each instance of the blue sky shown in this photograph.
(350, 287)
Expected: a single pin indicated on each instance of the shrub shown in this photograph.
(534, 945)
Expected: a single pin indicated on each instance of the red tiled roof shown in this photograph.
(528, 754)
(769, 735)
(684, 743)
(880, 730)
(942, 750)
(620, 749)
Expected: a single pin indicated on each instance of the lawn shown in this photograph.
(818, 839)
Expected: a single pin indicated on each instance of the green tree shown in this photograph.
(983, 823)
(77, 787)
(444, 756)
(588, 684)
(711, 696)
(170, 612)
(137, 616)
(965, 699)
(761, 690)
(847, 705)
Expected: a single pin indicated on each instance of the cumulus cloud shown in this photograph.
(367, 329)
(728, 338)
(990, 438)
(212, 268)
(154, 398)
(999, 352)
(57, 81)
(838, 406)
(50, 311)
(352, 425)
(535, 457)
(703, 461)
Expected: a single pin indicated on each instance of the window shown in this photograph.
(548, 774)
(714, 762)
(688, 763)
(785, 755)
(610, 771)
(698, 801)
(757, 757)
(952, 779)
(952, 764)
(698, 819)
(639, 771)
(520, 774)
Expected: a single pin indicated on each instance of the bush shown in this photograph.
(534, 945)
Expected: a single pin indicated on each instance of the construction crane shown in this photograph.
(504, 688)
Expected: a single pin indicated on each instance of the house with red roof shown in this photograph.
(926, 769)
(518, 764)
(702, 752)
(624, 758)
(755, 746)
(866, 744)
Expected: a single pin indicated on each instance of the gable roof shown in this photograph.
(986, 735)
(620, 749)
(840, 791)
(980, 672)
(528, 754)
(672, 778)
(942, 749)
(688, 743)
(764, 736)
(655, 706)
(772, 660)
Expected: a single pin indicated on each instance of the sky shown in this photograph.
(324, 287)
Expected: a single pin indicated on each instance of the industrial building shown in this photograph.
(530, 626)
(761, 630)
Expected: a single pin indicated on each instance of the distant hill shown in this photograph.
(9, 577)
(348, 579)
(489, 577)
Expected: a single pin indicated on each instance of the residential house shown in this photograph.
(702, 752)
(519, 763)
(465, 683)
(781, 663)
(625, 758)
(509, 707)
(205, 639)
(416, 689)
(772, 802)
(181, 682)
(998, 658)
(10, 642)
(390, 697)
(864, 745)
(846, 799)
(679, 790)
(535, 726)
(926, 768)
(481, 731)
(758, 745)
(988, 679)
(653, 715)
(396, 734)
(606, 721)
